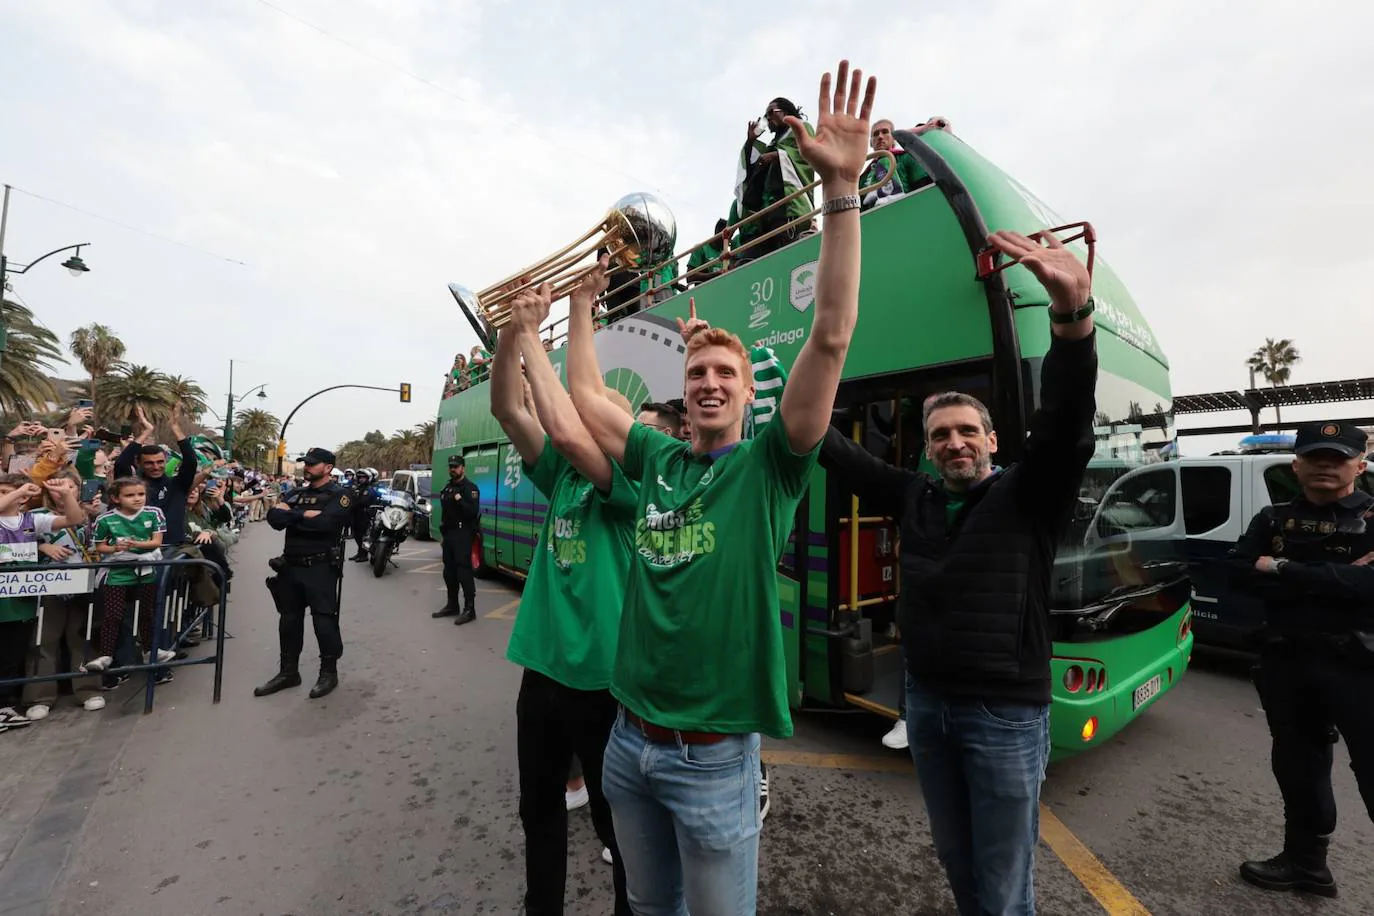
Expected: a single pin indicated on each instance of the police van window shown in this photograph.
(1140, 503)
(1206, 498)
(1282, 483)
(426, 490)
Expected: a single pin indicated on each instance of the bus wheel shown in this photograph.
(479, 567)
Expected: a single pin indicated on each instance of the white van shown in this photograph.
(1220, 494)
(417, 484)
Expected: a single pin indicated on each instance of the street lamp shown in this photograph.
(229, 410)
(73, 263)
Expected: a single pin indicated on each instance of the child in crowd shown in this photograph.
(129, 531)
(18, 526)
(64, 618)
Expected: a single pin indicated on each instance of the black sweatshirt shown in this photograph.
(166, 493)
(975, 601)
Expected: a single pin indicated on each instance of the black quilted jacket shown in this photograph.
(975, 599)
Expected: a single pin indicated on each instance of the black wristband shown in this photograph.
(1074, 316)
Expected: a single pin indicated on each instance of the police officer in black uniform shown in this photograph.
(1311, 562)
(359, 497)
(309, 573)
(459, 507)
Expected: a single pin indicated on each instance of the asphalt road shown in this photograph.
(396, 795)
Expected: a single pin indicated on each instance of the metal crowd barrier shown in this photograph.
(171, 619)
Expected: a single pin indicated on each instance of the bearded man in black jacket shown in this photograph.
(978, 548)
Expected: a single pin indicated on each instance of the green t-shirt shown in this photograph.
(701, 634)
(113, 526)
(569, 619)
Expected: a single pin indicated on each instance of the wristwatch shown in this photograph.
(840, 204)
(1077, 315)
(1279, 564)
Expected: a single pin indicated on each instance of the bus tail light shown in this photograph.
(1185, 627)
(1090, 728)
(1073, 679)
(1092, 679)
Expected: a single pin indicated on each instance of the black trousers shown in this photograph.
(314, 587)
(16, 638)
(1305, 694)
(457, 551)
(552, 723)
(359, 526)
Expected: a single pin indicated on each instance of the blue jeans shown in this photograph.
(687, 822)
(980, 764)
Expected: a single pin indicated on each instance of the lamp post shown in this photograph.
(73, 263)
(229, 410)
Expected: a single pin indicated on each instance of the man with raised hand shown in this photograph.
(566, 632)
(700, 670)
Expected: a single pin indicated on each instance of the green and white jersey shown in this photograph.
(115, 526)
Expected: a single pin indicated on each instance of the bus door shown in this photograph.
(482, 467)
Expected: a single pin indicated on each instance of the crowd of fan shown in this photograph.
(85, 495)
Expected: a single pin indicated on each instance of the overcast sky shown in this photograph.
(317, 198)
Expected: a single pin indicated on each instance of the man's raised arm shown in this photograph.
(552, 405)
(838, 152)
(607, 423)
(508, 404)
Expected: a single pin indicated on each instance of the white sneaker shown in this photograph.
(94, 703)
(165, 655)
(576, 799)
(98, 664)
(606, 855)
(36, 711)
(896, 739)
(764, 802)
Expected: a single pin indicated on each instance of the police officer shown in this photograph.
(459, 505)
(308, 573)
(1311, 562)
(360, 497)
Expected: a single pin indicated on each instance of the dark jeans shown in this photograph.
(1304, 695)
(552, 723)
(457, 551)
(16, 636)
(981, 764)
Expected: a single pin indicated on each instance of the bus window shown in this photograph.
(1141, 503)
(1206, 498)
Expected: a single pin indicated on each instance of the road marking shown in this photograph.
(1115, 899)
(500, 613)
(1087, 868)
(894, 764)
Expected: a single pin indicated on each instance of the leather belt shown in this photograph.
(660, 735)
(308, 560)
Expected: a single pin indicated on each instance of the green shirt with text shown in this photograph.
(569, 618)
(701, 634)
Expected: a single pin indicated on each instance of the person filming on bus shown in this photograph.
(1311, 563)
(700, 669)
(977, 550)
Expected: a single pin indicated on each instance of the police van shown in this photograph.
(1212, 499)
(416, 481)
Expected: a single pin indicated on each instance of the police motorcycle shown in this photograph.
(391, 525)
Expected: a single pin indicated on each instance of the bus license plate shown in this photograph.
(1146, 692)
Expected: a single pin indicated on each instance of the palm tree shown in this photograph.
(1274, 362)
(130, 387)
(97, 349)
(29, 350)
(188, 394)
(255, 429)
(426, 432)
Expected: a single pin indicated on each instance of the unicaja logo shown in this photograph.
(759, 316)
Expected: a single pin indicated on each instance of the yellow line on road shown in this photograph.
(1087, 868)
(893, 764)
(500, 613)
(1078, 858)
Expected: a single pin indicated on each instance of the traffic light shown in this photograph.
(405, 392)
(281, 448)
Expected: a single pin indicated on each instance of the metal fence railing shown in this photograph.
(174, 615)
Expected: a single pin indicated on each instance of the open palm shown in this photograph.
(839, 148)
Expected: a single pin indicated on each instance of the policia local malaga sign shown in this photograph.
(34, 583)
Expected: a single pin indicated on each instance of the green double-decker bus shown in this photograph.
(930, 320)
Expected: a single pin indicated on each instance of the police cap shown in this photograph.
(318, 456)
(457, 461)
(1346, 438)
